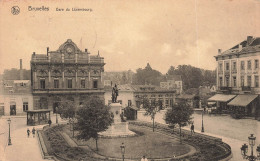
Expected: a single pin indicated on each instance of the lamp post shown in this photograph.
(202, 125)
(244, 149)
(123, 151)
(56, 115)
(9, 137)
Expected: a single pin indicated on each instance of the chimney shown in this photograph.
(33, 53)
(21, 69)
(249, 40)
(219, 51)
(240, 47)
(86, 50)
(47, 51)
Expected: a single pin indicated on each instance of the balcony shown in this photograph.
(225, 88)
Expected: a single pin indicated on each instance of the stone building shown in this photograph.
(238, 77)
(15, 97)
(65, 74)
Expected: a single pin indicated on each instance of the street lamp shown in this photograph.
(202, 125)
(123, 151)
(244, 149)
(56, 115)
(9, 138)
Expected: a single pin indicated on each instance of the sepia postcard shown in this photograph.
(111, 80)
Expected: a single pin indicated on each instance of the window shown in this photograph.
(227, 81)
(25, 106)
(171, 102)
(227, 66)
(249, 64)
(234, 67)
(129, 103)
(242, 65)
(220, 67)
(220, 81)
(69, 83)
(249, 81)
(234, 81)
(42, 83)
(256, 81)
(256, 64)
(82, 83)
(56, 83)
(242, 81)
(95, 84)
(167, 102)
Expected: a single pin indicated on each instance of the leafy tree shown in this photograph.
(68, 111)
(93, 117)
(179, 114)
(147, 76)
(151, 108)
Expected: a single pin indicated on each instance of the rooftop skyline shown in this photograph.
(129, 34)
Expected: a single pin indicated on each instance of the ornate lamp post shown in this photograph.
(244, 149)
(202, 126)
(123, 151)
(9, 137)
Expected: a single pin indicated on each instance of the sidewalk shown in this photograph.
(23, 148)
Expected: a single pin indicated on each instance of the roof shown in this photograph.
(39, 110)
(174, 77)
(221, 98)
(186, 96)
(242, 100)
(252, 46)
(150, 88)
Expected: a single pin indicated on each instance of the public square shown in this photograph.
(233, 132)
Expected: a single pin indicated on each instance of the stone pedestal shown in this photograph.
(118, 128)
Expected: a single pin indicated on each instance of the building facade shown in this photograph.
(238, 74)
(65, 74)
(173, 82)
(15, 97)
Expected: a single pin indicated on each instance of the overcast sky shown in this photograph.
(129, 34)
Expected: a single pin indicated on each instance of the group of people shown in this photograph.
(33, 132)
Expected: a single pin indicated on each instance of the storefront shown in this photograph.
(246, 104)
(221, 101)
(38, 117)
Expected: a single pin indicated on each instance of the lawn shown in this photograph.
(148, 143)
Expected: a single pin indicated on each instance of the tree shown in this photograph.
(151, 108)
(147, 76)
(93, 117)
(179, 114)
(68, 111)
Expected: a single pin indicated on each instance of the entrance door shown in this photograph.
(55, 105)
(12, 109)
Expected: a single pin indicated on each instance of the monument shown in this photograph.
(118, 127)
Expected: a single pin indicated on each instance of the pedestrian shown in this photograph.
(144, 159)
(28, 132)
(49, 122)
(33, 132)
(192, 129)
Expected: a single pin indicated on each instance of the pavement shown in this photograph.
(23, 148)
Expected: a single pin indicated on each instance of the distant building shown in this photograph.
(238, 78)
(15, 97)
(121, 77)
(65, 74)
(132, 95)
(173, 82)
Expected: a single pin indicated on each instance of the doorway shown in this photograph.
(12, 109)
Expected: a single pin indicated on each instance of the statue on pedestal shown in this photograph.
(114, 94)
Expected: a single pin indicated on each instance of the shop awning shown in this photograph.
(221, 98)
(242, 100)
